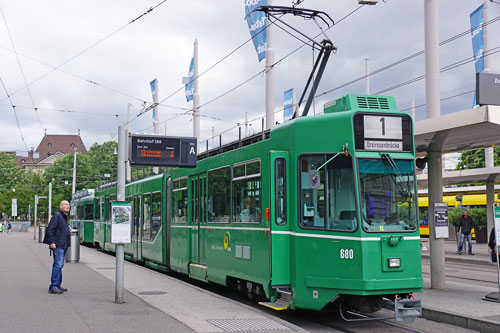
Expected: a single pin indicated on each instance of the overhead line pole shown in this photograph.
(196, 97)
(269, 74)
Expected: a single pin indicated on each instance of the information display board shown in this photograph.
(154, 150)
(441, 219)
(121, 222)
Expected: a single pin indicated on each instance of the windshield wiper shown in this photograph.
(406, 192)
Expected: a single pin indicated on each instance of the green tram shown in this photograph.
(82, 215)
(319, 212)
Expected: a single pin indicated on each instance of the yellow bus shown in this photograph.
(468, 200)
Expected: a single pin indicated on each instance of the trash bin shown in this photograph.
(73, 254)
(41, 233)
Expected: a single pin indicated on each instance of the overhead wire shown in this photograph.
(92, 46)
(278, 61)
(442, 99)
(15, 113)
(21, 68)
(442, 70)
(405, 59)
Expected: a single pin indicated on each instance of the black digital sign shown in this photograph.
(154, 150)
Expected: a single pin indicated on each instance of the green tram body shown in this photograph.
(307, 244)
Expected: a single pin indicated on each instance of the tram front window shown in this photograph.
(387, 189)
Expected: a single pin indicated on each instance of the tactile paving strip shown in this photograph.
(250, 324)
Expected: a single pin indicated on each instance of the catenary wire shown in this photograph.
(91, 46)
(442, 70)
(15, 113)
(21, 67)
(400, 61)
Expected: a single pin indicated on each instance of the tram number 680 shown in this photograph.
(346, 253)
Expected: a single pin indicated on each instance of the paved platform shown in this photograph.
(462, 303)
(155, 302)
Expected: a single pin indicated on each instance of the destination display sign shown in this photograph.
(379, 132)
(154, 150)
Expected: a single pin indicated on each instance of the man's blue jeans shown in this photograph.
(56, 278)
(461, 243)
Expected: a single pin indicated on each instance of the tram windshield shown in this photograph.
(387, 190)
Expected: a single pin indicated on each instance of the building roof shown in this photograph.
(52, 144)
(65, 144)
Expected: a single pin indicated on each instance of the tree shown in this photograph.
(473, 159)
(9, 172)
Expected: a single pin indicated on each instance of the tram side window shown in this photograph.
(137, 215)
(97, 209)
(280, 191)
(330, 205)
(79, 212)
(147, 211)
(88, 212)
(156, 214)
(219, 187)
(246, 193)
(180, 202)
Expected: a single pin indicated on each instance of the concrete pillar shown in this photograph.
(438, 277)
(434, 155)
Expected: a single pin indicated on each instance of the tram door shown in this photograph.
(280, 226)
(198, 213)
(137, 227)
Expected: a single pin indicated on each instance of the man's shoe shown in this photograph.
(460, 253)
(471, 254)
(55, 291)
(62, 289)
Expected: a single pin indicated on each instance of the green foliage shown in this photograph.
(9, 172)
(454, 216)
(91, 168)
(473, 159)
(478, 215)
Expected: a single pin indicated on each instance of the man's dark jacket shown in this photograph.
(58, 231)
(466, 225)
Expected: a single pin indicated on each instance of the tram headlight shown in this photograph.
(394, 262)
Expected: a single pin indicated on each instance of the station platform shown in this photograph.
(155, 302)
(461, 303)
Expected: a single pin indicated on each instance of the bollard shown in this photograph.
(73, 254)
(41, 233)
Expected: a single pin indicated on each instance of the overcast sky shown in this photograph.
(91, 92)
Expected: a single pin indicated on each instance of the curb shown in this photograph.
(460, 260)
(455, 319)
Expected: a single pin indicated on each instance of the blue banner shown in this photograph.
(190, 84)
(257, 22)
(288, 105)
(153, 92)
(476, 23)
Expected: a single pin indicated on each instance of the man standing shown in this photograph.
(465, 227)
(58, 237)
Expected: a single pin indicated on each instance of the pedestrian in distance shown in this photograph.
(465, 226)
(58, 237)
(493, 246)
(9, 227)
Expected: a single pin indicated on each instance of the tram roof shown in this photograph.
(463, 130)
